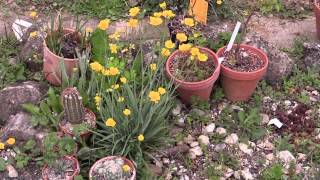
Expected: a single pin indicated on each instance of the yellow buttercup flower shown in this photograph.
(89, 30)
(141, 138)
(110, 122)
(155, 21)
(113, 48)
(188, 22)
(104, 24)
(105, 72)
(163, 5)
(133, 23)
(168, 14)
(116, 35)
(196, 35)
(153, 66)
(134, 11)
(2, 145)
(162, 90)
(33, 34)
(114, 71)
(11, 141)
(219, 2)
(123, 80)
(165, 52)
(132, 46)
(194, 51)
(154, 96)
(202, 57)
(95, 66)
(157, 14)
(126, 168)
(120, 99)
(115, 86)
(109, 90)
(182, 37)
(126, 112)
(185, 47)
(33, 14)
(97, 99)
(169, 44)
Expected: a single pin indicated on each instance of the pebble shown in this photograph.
(194, 144)
(181, 122)
(219, 147)
(189, 139)
(264, 119)
(232, 139)
(204, 140)
(270, 157)
(166, 161)
(287, 103)
(12, 172)
(177, 110)
(196, 151)
(267, 99)
(302, 157)
(246, 174)
(237, 175)
(210, 128)
(316, 93)
(244, 148)
(234, 107)
(221, 131)
(266, 145)
(286, 156)
(184, 177)
(229, 172)
(313, 99)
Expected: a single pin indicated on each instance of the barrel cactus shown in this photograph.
(73, 107)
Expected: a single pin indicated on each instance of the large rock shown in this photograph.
(280, 64)
(12, 97)
(311, 56)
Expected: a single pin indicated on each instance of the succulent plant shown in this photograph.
(73, 107)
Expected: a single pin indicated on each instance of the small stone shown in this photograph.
(267, 99)
(12, 172)
(232, 139)
(166, 161)
(197, 112)
(229, 172)
(299, 168)
(234, 107)
(219, 147)
(302, 157)
(237, 175)
(286, 156)
(264, 119)
(246, 174)
(221, 131)
(313, 99)
(177, 110)
(189, 139)
(181, 122)
(204, 140)
(266, 145)
(287, 103)
(194, 152)
(244, 148)
(194, 144)
(270, 157)
(184, 177)
(210, 128)
(316, 93)
(174, 169)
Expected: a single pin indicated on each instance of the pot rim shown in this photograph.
(127, 161)
(246, 47)
(70, 30)
(316, 4)
(76, 170)
(208, 51)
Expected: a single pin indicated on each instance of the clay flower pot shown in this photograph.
(108, 158)
(51, 63)
(76, 170)
(201, 89)
(317, 14)
(239, 86)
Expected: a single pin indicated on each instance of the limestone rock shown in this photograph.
(204, 139)
(286, 156)
(311, 56)
(232, 139)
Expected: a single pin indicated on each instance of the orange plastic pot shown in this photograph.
(68, 177)
(317, 14)
(51, 63)
(239, 86)
(201, 89)
(108, 158)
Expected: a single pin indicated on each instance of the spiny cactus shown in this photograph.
(72, 104)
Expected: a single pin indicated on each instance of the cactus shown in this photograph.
(73, 107)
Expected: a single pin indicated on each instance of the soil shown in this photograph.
(70, 45)
(61, 169)
(188, 73)
(248, 61)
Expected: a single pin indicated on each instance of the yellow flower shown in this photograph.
(188, 22)
(134, 11)
(157, 14)
(182, 37)
(95, 66)
(133, 23)
(194, 51)
(155, 21)
(33, 34)
(105, 72)
(165, 52)
(168, 14)
(195, 35)
(141, 138)
(33, 14)
(153, 66)
(219, 2)
(202, 57)
(113, 48)
(163, 5)
(114, 71)
(120, 99)
(2, 145)
(161, 90)
(109, 90)
(126, 112)
(185, 47)
(115, 35)
(126, 168)
(123, 80)
(11, 141)
(104, 24)
(169, 44)
(115, 86)
(132, 46)
(110, 122)
(97, 99)
(74, 69)
(89, 30)
(154, 96)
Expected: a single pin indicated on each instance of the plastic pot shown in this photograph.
(201, 89)
(239, 86)
(70, 177)
(108, 158)
(317, 14)
(51, 63)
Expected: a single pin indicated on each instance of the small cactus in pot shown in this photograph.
(75, 116)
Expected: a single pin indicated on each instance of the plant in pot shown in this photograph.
(317, 14)
(113, 168)
(242, 68)
(61, 46)
(76, 119)
(58, 157)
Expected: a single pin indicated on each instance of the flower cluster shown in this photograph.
(10, 141)
(155, 96)
(97, 67)
(156, 19)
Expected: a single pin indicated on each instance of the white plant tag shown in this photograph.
(275, 122)
(19, 27)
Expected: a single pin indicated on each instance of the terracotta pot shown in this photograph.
(51, 63)
(126, 162)
(239, 86)
(71, 177)
(201, 89)
(317, 14)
